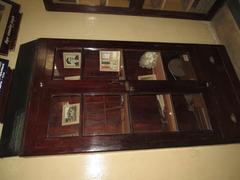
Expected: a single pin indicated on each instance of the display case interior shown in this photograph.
(106, 114)
(67, 64)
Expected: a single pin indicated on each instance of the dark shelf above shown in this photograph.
(183, 9)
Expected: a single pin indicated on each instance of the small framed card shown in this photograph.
(70, 114)
(72, 60)
(72, 78)
(147, 77)
(110, 61)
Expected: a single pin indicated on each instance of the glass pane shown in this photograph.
(178, 65)
(117, 3)
(191, 112)
(152, 113)
(203, 6)
(143, 65)
(110, 3)
(106, 64)
(65, 114)
(168, 113)
(195, 6)
(67, 65)
(156, 65)
(105, 114)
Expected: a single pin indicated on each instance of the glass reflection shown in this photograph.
(195, 6)
(169, 113)
(109, 3)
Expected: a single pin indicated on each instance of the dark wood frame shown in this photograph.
(134, 9)
(40, 86)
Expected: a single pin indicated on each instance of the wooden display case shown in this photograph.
(73, 96)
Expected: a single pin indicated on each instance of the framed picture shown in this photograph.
(70, 114)
(110, 61)
(72, 60)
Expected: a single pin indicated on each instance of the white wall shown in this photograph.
(197, 163)
(37, 22)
